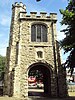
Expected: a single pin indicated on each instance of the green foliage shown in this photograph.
(68, 43)
(67, 16)
(2, 66)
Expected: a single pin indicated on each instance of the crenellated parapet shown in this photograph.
(19, 5)
(33, 15)
(42, 16)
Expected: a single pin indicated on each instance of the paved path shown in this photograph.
(38, 98)
(46, 98)
(37, 95)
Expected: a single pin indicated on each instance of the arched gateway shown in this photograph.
(46, 71)
(33, 49)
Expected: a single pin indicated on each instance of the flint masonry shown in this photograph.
(33, 45)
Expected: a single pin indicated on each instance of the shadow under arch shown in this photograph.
(46, 70)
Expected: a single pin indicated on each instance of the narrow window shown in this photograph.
(38, 33)
(39, 54)
(33, 33)
(17, 50)
(44, 34)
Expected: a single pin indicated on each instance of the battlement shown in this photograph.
(19, 5)
(43, 16)
(33, 15)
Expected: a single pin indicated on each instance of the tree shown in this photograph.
(68, 43)
(2, 66)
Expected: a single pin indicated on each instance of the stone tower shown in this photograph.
(33, 45)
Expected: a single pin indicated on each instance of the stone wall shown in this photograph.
(23, 52)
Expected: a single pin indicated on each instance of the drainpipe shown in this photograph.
(55, 65)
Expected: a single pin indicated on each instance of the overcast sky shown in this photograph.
(31, 5)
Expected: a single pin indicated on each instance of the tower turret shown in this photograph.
(13, 43)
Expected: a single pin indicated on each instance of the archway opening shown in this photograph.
(39, 80)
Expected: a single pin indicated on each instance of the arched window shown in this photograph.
(38, 33)
(39, 54)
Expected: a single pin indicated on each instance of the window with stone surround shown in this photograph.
(38, 33)
(39, 54)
